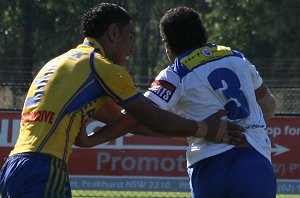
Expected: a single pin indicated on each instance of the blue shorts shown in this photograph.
(29, 175)
(237, 173)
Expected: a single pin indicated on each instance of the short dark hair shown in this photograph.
(96, 20)
(182, 29)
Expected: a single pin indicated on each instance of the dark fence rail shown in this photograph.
(12, 96)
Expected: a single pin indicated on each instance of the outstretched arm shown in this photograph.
(226, 133)
(140, 110)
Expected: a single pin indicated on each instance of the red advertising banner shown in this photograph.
(133, 155)
(128, 162)
(285, 136)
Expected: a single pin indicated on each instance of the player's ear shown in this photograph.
(113, 32)
(169, 53)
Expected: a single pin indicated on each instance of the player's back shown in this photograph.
(212, 78)
(61, 96)
(219, 78)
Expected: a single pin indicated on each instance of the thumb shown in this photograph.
(220, 113)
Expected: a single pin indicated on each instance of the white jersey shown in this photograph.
(205, 80)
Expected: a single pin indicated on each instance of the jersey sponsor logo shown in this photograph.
(38, 116)
(162, 89)
(206, 52)
(255, 126)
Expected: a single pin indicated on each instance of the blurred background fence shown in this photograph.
(12, 96)
(33, 32)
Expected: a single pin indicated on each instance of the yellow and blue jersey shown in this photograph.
(65, 92)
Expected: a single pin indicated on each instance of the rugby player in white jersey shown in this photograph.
(207, 76)
(202, 79)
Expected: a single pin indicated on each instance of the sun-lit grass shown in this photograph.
(129, 194)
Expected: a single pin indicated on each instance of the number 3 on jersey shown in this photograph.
(228, 82)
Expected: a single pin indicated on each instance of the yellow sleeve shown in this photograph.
(116, 81)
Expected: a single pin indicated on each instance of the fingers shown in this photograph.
(236, 134)
(236, 141)
(222, 131)
(229, 133)
(236, 138)
(235, 128)
(219, 114)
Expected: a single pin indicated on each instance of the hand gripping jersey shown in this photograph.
(205, 80)
(65, 92)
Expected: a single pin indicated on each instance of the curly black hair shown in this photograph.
(96, 20)
(182, 29)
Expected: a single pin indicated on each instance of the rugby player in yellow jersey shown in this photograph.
(68, 90)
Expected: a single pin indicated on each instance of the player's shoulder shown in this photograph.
(102, 63)
(210, 52)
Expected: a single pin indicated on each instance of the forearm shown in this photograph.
(103, 135)
(161, 121)
(268, 105)
(142, 130)
(168, 124)
(118, 128)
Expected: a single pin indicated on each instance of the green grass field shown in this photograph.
(139, 194)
